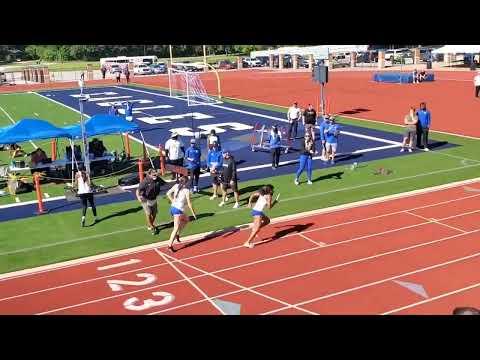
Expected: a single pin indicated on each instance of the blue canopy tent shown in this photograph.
(104, 124)
(30, 129)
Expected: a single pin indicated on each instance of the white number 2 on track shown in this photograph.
(130, 304)
(116, 285)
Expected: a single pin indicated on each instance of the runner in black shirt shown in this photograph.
(229, 178)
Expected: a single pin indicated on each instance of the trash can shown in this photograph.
(429, 64)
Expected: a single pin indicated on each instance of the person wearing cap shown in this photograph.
(331, 139)
(293, 116)
(323, 125)
(275, 147)
(213, 138)
(174, 152)
(229, 178)
(193, 155)
(476, 84)
(310, 120)
(306, 153)
(214, 163)
(423, 126)
(147, 193)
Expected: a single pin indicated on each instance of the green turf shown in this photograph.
(51, 238)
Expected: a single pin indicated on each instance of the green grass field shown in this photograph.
(52, 238)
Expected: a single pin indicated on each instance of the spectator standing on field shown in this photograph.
(118, 73)
(229, 178)
(147, 193)
(423, 126)
(174, 152)
(214, 163)
(103, 69)
(81, 83)
(274, 142)
(293, 116)
(410, 122)
(85, 192)
(193, 155)
(310, 120)
(127, 74)
(476, 84)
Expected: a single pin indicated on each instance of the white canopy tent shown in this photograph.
(318, 52)
(458, 49)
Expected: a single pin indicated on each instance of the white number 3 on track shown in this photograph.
(116, 285)
(130, 304)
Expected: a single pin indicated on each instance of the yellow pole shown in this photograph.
(218, 80)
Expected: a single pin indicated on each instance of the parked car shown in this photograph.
(252, 62)
(142, 69)
(159, 68)
(115, 68)
(226, 65)
(264, 60)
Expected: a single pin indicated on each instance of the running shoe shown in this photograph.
(221, 203)
(402, 150)
(213, 197)
(309, 182)
(236, 206)
(410, 150)
(426, 149)
(296, 182)
(332, 162)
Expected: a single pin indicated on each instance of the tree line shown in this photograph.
(95, 52)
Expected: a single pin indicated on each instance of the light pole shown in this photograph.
(81, 101)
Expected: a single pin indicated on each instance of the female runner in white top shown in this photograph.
(179, 195)
(264, 198)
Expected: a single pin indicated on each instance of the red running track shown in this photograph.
(349, 261)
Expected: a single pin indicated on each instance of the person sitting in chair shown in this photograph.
(16, 151)
(38, 157)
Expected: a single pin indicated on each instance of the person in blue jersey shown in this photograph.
(193, 154)
(306, 153)
(331, 137)
(323, 125)
(129, 111)
(179, 196)
(423, 126)
(275, 147)
(263, 199)
(215, 164)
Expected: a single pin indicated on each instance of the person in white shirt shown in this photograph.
(84, 191)
(179, 196)
(81, 83)
(476, 83)
(293, 115)
(175, 152)
(264, 198)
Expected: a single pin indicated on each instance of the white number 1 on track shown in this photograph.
(167, 298)
(116, 285)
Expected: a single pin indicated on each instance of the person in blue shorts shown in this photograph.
(179, 196)
(323, 125)
(263, 198)
(306, 152)
(331, 136)
(193, 155)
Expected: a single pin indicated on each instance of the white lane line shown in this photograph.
(343, 207)
(13, 122)
(473, 286)
(164, 257)
(124, 263)
(437, 221)
(269, 117)
(333, 267)
(349, 290)
(308, 239)
(224, 269)
(236, 284)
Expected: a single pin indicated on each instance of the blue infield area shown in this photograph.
(158, 115)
